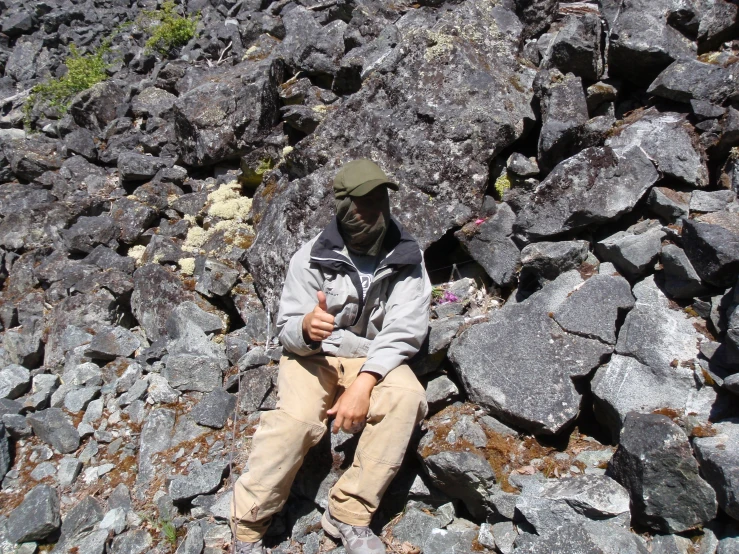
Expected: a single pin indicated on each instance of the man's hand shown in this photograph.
(318, 324)
(352, 406)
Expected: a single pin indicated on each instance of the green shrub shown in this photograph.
(168, 29)
(83, 71)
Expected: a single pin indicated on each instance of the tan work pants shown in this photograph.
(306, 388)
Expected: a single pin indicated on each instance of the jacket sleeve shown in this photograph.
(298, 299)
(405, 324)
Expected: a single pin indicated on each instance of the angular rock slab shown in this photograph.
(633, 253)
(642, 43)
(586, 538)
(448, 97)
(711, 242)
(548, 260)
(718, 457)
(491, 246)
(593, 309)
(594, 186)
(53, 427)
(654, 461)
(519, 365)
(5, 460)
(553, 503)
(686, 80)
(681, 279)
(37, 517)
(669, 141)
(156, 293)
(201, 480)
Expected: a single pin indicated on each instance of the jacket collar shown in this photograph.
(402, 248)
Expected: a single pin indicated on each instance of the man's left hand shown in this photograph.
(352, 406)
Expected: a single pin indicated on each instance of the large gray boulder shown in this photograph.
(655, 463)
(642, 43)
(37, 517)
(218, 119)
(591, 538)
(681, 279)
(594, 308)
(490, 245)
(519, 365)
(450, 97)
(594, 186)
(564, 114)
(156, 436)
(577, 46)
(711, 241)
(669, 141)
(718, 457)
(53, 427)
(548, 505)
(685, 80)
(202, 479)
(545, 261)
(310, 48)
(634, 251)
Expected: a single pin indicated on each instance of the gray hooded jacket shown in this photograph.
(388, 326)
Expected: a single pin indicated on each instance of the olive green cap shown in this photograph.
(359, 177)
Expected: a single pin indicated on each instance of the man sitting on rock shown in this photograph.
(354, 308)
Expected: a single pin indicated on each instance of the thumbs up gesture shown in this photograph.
(318, 324)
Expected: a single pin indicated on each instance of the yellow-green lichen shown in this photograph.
(136, 252)
(226, 202)
(502, 184)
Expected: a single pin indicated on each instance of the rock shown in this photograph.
(685, 80)
(545, 261)
(155, 437)
(520, 165)
(564, 114)
(81, 518)
(712, 244)
(440, 392)
(256, 387)
(681, 279)
(576, 46)
(595, 537)
(642, 43)
(133, 166)
(77, 400)
(53, 427)
(718, 457)
(189, 372)
(526, 341)
(36, 518)
(718, 24)
(193, 543)
(5, 459)
(131, 542)
(217, 119)
(203, 479)
(416, 527)
(105, 258)
(41, 390)
(96, 107)
(189, 311)
(634, 251)
(213, 278)
(137, 391)
(435, 346)
(457, 537)
(669, 141)
(553, 503)
(14, 381)
(655, 463)
(152, 102)
(31, 157)
(132, 217)
(89, 232)
(157, 291)
(214, 409)
(159, 391)
(711, 201)
(593, 309)
(18, 24)
(490, 245)
(594, 186)
(410, 130)
(113, 343)
(310, 47)
(81, 141)
(17, 427)
(69, 469)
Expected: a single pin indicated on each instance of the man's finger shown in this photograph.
(322, 326)
(338, 423)
(322, 300)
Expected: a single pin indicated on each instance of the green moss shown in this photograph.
(169, 30)
(83, 71)
(252, 178)
(502, 184)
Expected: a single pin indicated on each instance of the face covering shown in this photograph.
(364, 235)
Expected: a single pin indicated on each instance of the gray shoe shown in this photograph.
(356, 540)
(249, 547)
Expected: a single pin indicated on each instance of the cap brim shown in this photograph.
(369, 186)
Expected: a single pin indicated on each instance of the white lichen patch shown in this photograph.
(443, 46)
(231, 228)
(320, 108)
(226, 202)
(187, 265)
(136, 252)
(287, 150)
